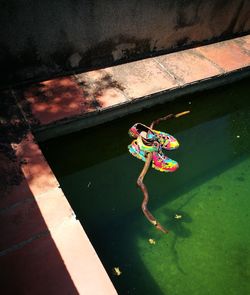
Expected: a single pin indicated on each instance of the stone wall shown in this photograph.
(40, 39)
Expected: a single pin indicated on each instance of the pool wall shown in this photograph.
(39, 39)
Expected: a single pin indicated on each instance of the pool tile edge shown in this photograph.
(45, 221)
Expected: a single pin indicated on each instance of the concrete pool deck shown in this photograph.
(44, 249)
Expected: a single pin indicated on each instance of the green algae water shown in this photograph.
(207, 250)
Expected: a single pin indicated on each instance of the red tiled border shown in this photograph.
(81, 260)
(188, 66)
(37, 172)
(229, 58)
(43, 248)
(35, 268)
(22, 222)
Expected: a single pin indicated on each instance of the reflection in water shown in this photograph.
(207, 249)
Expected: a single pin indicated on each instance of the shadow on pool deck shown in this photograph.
(42, 245)
(64, 97)
(26, 242)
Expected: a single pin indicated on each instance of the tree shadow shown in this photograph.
(65, 97)
(96, 87)
(54, 100)
(175, 222)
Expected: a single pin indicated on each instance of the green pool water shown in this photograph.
(207, 251)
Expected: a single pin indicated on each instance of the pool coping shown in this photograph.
(38, 196)
(77, 123)
(103, 95)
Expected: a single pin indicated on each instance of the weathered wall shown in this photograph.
(40, 39)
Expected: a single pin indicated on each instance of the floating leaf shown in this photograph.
(152, 241)
(116, 271)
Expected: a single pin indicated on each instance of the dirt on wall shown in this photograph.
(41, 39)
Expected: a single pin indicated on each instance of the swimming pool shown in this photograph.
(207, 250)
